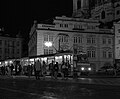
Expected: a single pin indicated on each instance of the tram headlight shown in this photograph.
(89, 69)
(82, 68)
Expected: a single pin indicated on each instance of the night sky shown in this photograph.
(18, 15)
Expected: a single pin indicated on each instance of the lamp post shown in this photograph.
(50, 44)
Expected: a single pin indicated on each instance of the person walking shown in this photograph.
(44, 69)
(63, 70)
(37, 69)
(29, 70)
(51, 69)
(56, 69)
(12, 67)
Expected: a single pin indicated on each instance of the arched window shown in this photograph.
(103, 15)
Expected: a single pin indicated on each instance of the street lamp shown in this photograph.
(48, 44)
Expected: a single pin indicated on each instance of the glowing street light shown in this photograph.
(48, 44)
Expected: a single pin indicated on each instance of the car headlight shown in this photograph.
(82, 68)
(89, 69)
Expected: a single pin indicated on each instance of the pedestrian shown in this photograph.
(44, 71)
(12, 67)
(56, 69)
(29, 71)
(8, 70)
(66, 71)
(63, 70)
(51, 69)
(37, 69)
(2, 70)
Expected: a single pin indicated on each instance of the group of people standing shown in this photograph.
(54, 68)
(39, 69)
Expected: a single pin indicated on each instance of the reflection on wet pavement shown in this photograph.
(53, 90)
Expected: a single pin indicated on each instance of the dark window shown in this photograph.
(45, 51)
(104, 54)
(18, 44)
(103, 15)
(0, 42)
(118, 12)
(78, 4)
(109, 54)
(66, 25)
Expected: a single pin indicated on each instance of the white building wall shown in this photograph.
(84, 32)
(117, 40)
